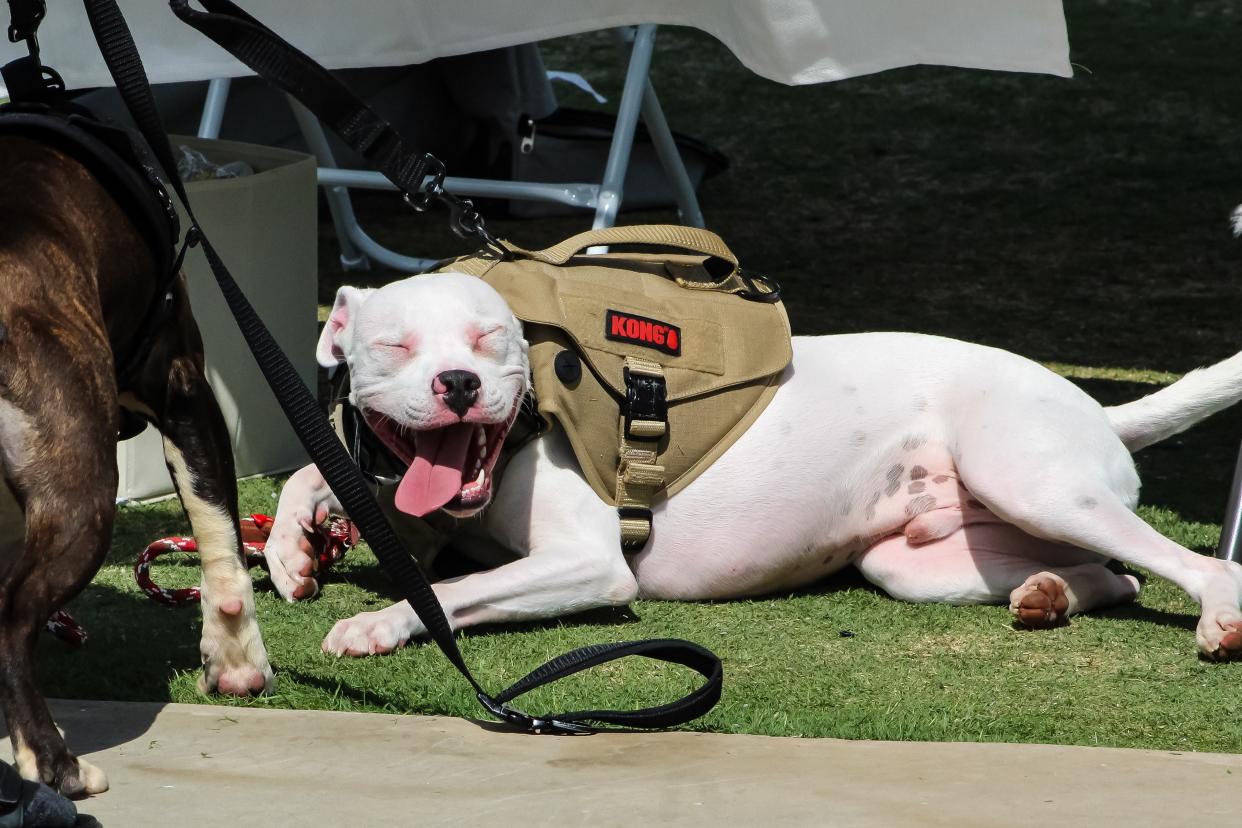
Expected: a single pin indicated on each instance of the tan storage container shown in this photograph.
(264, 227)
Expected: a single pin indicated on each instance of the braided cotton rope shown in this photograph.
(334, 537)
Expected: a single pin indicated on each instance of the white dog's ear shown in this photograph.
(335, 336)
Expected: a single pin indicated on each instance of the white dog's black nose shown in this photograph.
(461, 389)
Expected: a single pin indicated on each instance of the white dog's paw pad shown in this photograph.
(1039, 603)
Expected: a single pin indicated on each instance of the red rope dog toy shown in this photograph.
(332, 539)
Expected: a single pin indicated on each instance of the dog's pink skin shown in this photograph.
(944, 471)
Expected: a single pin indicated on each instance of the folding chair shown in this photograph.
(638, 97)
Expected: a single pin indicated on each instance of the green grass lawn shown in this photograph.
(1080, 222)
(1126, 677)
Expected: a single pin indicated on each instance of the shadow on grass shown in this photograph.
(601, 617)
(134, 646)
(337, 688)
(1138, 612)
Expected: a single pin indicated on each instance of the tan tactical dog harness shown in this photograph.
(682, 352)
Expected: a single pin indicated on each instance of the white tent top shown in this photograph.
(790, 41)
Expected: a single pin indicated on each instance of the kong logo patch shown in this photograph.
(639, 330)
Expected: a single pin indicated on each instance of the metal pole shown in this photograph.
(213, 107)
(1231, 531)
(339, 205)
(572, 195)
(611, 189)
(670, 159)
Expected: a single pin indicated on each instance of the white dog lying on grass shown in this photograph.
(944, 471)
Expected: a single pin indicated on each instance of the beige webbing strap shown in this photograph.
(658, 235)
(471, 265)
(638, 475)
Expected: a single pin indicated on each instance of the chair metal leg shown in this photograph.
(611, 189)
(670, 159)
(349, 233)
(638, 96)
(213, 107)
(1230, 547)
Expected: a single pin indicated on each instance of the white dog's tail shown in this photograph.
(1171, 410)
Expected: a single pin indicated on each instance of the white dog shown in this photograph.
(944, 471)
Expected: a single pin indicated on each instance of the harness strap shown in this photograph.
(644, 422)
(248, 39)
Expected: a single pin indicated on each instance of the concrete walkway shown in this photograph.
(190, 765)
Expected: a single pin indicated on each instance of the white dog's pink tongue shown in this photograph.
(434, 476)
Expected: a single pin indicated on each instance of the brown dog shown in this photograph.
(76, 279)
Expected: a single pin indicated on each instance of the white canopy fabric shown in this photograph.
(789, 41)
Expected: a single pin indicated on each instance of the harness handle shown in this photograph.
(675, 236)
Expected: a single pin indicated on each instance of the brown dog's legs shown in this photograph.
(61, 471)
(200, 458)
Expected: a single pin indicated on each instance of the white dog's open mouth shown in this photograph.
(450, 468)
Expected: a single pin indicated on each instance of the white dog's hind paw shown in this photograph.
(1040, 602)
(1236, 220)
(373, 633)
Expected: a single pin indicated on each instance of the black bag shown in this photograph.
(571, 146)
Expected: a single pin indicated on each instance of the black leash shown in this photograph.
(380, 143)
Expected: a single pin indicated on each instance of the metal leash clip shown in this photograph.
(464, 220)
(531, 724)
(759, 288)
(24, 19)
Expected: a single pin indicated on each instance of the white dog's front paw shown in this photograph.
(374, 633)
(291, 560)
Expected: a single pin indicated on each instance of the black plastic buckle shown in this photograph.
(646, 398)
(531, 724)
(433, 190)
(25, 17)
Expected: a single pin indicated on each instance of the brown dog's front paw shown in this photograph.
(89, 781)
(74, 778)
(234, 670)
(234, 658)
